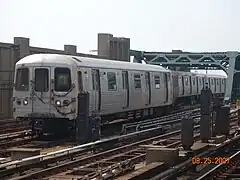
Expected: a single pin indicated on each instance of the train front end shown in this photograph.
(44, 93)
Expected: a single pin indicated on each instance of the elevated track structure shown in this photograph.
(228, 61)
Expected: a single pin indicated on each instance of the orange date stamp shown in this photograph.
(210, 160)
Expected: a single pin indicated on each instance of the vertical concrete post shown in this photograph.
(222, 121)
(216, 107)
(126, 49)
(104, 44)
(205, 121)
(187, 137)
(70, 49)
(83, 128)
(23, 44)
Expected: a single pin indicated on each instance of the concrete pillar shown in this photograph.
(70, 49)
(187, 134)
(104, 44)
(126, 49)
(113, 47)
(23, 44)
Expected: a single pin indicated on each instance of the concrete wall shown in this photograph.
(9, 55)
(113, 47)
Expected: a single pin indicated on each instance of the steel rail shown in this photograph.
(183, 167)
(82, 161)
(19, 165)
(53, 157)
(89, 145)
(212, 171)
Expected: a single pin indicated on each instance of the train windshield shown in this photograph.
(62, 79)
(22, 79)
(41, 80)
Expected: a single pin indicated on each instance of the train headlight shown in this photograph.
(25, 102)
(58, 103)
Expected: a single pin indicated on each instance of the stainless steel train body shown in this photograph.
(47, 85)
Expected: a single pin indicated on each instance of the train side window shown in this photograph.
(147, 79)
(124, 80)
(217, 81)
(62, 79)
(41, 80)
(200, 81)
(212, 81)
(80, 81)
(22, 79)
(157, 82)
(186, 81)
(112, 81)
(137, 81)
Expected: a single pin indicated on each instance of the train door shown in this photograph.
(209, 83)
(215, 85)
(197, 84)
(148, 88)
(183, 85)
(220, 85)
(126, 87)
(166, 85)
(42, 91)
(191, 84)
(96, 90)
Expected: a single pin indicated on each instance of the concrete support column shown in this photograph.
(70, 49)
(104, 44)
(126, 49)
(23, 44)
(113, 47)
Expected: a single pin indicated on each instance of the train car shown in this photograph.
(46, 87)
(188, 86)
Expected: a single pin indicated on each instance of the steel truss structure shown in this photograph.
(228, 61)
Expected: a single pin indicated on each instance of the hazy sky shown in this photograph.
(152, 25)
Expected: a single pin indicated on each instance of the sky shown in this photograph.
(152, 25)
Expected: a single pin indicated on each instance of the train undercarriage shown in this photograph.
(92, 127)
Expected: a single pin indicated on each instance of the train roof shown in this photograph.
(183, 73)
(54, 59)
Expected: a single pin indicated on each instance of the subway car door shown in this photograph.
(42, 88)
(148, 88)
(96, 90)
(183, 86)
(215, 85)
(220, 85)
(190, 85)
(125, 88)
(166, 86)
(197, 85)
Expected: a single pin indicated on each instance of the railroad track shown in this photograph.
(226, 170)
(11, 125)
(206, 171)
(25, 140)
(160, 121)
(124, 150)
(14, 139)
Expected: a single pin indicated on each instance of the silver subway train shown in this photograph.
(46, 87)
